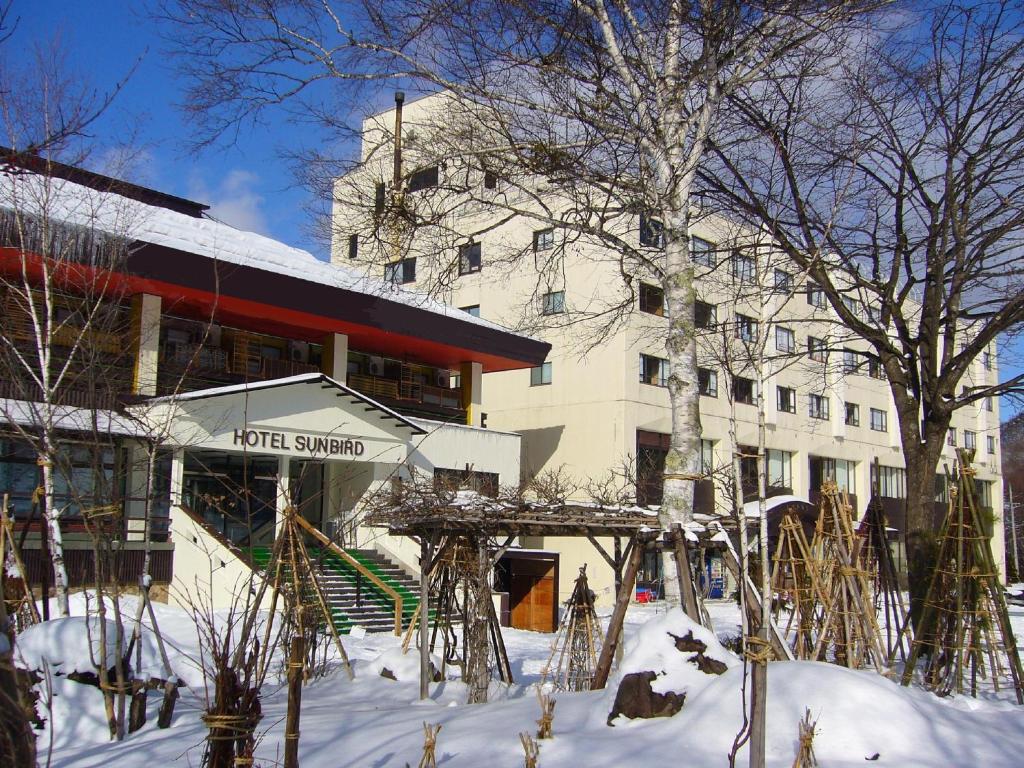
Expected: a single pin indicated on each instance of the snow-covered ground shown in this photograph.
(377, 722)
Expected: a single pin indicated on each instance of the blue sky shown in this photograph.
(247, 184)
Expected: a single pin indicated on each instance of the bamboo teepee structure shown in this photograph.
(964, 631)
(577, 643)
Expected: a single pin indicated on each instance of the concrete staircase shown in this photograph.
(358, 602)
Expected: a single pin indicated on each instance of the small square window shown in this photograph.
(817, 407)
(652, 299)
(702, 252)
(991, 441)
(707, 382)
(816, 296)
(401, 272)
(705, 315)
(746, 328)
(544, 239)
(783, 281)
(540, 375)
(654, 370)
(817, 349)
(879, 420)
(469, 258)
(652, 232)
(852, 415)
(743, 390)
(970, 440)
(553, 303)
(785, 399)
(473, 310)
(785, 339)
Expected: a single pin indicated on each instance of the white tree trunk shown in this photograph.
(53, 532)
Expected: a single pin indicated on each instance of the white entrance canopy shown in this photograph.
(310, 416)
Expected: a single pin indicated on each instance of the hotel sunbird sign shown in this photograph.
(314, 445)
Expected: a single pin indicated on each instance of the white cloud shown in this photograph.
(235, 200)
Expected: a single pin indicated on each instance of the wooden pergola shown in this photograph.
(492, 525)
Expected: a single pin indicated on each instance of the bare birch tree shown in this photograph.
(892, 175)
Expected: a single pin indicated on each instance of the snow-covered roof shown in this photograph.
(66, 417)
(753, 509)
(120, 216)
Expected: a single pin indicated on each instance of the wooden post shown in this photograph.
(604, 662)
(291, 725)
(685, 574)
(426, 555)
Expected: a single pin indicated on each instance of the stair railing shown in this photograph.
(360, 568)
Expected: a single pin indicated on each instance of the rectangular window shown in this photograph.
(705, 315)
(850, 362)
(852, 415)
(652, 299)
(817, 407)
(889, 482)
(785, 399)
(785, 339)
(951, 437)
(702, 252)
(783, 281)
(707, 382)
(469, 258)
(401, 272)
(780, 468)
(840, 471)
(744, 268)
(540, 375)
(816, 349)
(544, 239)
(746, 328)
(707, 456)
(743, 390)
(490, 180)
(424, 178)
(875, 369)
(970, 440)
(553, 303)
(879, 420)
(652, 232)
(988, 404)
(653, 370)
(353, 246)
(815, 296)
(852, 305)
(379, 198)
(473, 310)
(991, 441)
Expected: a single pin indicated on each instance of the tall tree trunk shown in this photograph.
(55, 538)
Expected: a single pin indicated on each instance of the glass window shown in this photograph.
(970, 440)
(785, 339)
(850, 362)
(852, 305)
(473, 310)
(652, 299)
(783, 281)
(991, 441)
(705, 315)
(988, 404)
(744, 268)
(424, 178)
(743, 390)
(544, 239)
(553, 303)
(817, 349)
(379, 198)
(746, 328)
(889, 482)
(702, 251)
(490, 180)
(469, 258)
(540, 375)
(875, 369)
(652, 232)
(353, 246)
(840, 471)
(951, 437)
(707, 382)
(707, 456)
(654, 370)
(780, 468)
(879, 420)
(817, 407)
(852, 415)
(815, 296)
(786, 399)
(401, 272)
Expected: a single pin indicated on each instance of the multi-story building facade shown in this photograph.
(600, 399)
(260, 376)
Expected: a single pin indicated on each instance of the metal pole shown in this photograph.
(1013, 535)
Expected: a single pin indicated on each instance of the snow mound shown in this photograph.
(404, 666)
(653, 649)
(67, 645)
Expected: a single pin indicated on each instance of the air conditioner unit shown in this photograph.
(442, 379)
(376, 366)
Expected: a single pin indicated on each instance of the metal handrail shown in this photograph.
(360, 568)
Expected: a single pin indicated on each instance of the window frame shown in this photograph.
(736, 382)
(543, 239)
(822, 411)
(650, 375)
(426, 177)
(747, 273)
(970, 440)
(702, 252)
(785, 285)
(550, 306)
(878, 420)
(791, 347)
(652, 232)
(990, 444)
(855, 421)
(540, 375)
(817, 349)
(401, 272)
(951, 437)
(791, 397)
(473, 310)
(707, 382)
(747, 328)
(712, 315)
(468, 253)
(647, 290)
(816, 295)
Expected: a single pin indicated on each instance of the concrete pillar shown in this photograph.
(471, 379)
(334, 361)
(136, 470)
(283, 491)
(146, 341)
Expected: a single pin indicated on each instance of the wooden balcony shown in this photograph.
(406, 393)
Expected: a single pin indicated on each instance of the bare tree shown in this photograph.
(891, 173)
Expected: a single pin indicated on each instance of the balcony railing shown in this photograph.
(407, 391)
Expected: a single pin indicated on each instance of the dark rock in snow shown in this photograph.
(636, 699)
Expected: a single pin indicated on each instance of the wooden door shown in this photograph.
(532, 594)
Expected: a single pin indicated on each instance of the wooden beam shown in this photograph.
(685, 574)
(614, 636)
(615, 566)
